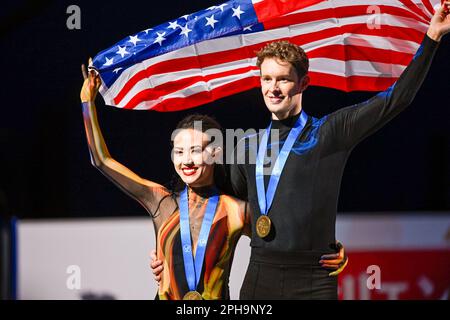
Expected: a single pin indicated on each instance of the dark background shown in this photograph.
(45, 169)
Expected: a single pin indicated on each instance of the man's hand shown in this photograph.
(90, 85)
(156, 265)
(440, 23)
(335, 261)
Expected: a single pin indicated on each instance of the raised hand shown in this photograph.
(91, 84)
(440, 23)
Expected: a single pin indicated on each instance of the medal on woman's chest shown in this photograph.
(193, 295)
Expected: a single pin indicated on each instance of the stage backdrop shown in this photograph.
(391, 257)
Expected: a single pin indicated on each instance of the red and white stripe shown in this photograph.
(345, 54)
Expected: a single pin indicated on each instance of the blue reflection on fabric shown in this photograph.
(300, 147)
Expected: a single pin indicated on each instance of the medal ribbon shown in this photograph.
(193, 265)
(265, 199)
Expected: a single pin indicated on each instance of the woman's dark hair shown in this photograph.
(220, 173)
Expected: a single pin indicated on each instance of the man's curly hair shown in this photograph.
(285, 51)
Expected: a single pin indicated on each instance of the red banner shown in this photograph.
(396, 274)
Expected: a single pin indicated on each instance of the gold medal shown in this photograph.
(263, 226)
(193, 295)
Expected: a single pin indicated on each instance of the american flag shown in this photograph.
(210, 54)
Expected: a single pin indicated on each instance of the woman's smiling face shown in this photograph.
(193, 157)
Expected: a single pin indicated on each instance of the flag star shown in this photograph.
(160, 38)
(249, 28)
(147, 30)
(134, 39)
(221, 6)
(185, 16)
(173, 25)
(185, 30)
(108, 62)
(211, 21)
(122, 51)
(116, 70)
(237, 12)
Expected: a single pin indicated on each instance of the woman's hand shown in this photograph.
(335, 261)
(91, 84)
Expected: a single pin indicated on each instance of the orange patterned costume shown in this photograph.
(228, 225)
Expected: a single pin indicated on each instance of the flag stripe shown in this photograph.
(351, 83)
(413, 6)
(429, 6)
(337, 14)
(378, 3)
(266, 10)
